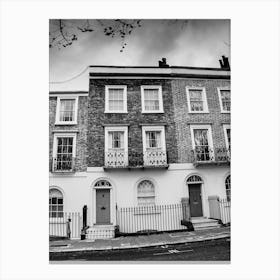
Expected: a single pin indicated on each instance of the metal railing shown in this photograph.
(64, 224)
(150, 218)
(224, 205)
(206, 154)
(63, 164)
(220, 209)
(120, 159)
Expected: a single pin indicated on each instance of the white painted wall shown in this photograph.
(170, 186)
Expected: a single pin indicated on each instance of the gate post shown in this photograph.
(85, 227)
(186, 208)
(186, 214)
(84, 216)
(214, 208)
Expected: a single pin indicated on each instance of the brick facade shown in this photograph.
(80, 128)
(183, 119)
(133, 119)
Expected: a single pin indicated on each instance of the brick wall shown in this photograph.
(133, 118)
(81, 127)
(183, 118)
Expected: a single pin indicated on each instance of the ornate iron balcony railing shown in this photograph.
(63, 164)
(206, 154)
(121, 159)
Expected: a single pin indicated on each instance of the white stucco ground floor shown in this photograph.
(106, 191)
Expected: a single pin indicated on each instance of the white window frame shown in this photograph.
(204, 99)
(137, 194)
(210, 138)
(153, 128)
(226, 126)
(160, 110)
(220, 98)
(107, 110)
(58, 105)
(58, 135)
(125, 140)
(63, 204)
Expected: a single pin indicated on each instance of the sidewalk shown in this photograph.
(127, 242)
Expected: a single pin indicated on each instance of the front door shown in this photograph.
(103, 206)
(195, 200)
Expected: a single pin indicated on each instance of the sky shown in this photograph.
(198, 43)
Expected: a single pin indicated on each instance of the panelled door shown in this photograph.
(195, 200)
(103, 206)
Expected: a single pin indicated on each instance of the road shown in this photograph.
(214, 250)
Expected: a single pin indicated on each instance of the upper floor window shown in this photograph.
(66, 110)
(228, 187)
(202, 142)
(224, 97)
(227, 135)
(154, 149)
(116, 146)
(151, 97)
(146, 193)
(197, 101)
(55, 203)
(115, 99)
(64, 147)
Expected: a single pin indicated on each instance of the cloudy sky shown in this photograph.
(195, 43)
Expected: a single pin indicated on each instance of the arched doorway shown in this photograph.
(194, 183)
(103, 202)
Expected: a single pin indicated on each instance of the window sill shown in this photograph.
(65, 123)
(115, 112)
(152, 112)
(225, 112)
(199, 112)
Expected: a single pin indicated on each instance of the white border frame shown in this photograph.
(220, 99)
(143, 87)
(59, 98)
(107, 87)
(204, 97)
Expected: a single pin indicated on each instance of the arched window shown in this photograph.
(227, 183)
(146, 193)
(194, 179)
(55, 203)
(102, 183)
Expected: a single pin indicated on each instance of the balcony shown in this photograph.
(64, 164)
(208, 156)
(148, 159)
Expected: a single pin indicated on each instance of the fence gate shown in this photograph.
(65, 225)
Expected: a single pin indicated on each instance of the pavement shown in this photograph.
(140, 241)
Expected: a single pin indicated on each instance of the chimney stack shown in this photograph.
(162, 63)
(224, 63)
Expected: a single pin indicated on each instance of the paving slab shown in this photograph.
(159, 239)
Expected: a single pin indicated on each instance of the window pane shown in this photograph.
(151, 99)
(116, 99)
(146, 193)
(67, 110)
(196, 100)
(202, 149)
(225, 97)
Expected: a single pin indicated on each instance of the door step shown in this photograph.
(100, 232)
(204, 223)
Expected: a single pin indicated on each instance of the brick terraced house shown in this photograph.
(145, 149)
